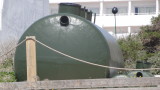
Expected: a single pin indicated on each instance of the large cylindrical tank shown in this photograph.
(89, 15)
(134, 74)
(71, 8)
(83, 12)
(75, 36)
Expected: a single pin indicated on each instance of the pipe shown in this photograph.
(64, 21)
(94, 18)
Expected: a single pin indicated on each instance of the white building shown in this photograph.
(131, 16)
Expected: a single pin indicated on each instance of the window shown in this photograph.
(94, 10)
(145, 10)
(108, 11)
(121, 11)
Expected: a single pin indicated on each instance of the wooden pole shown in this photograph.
(31, 59)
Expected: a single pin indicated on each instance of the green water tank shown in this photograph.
(143, 64)
(71, 8)
(136, 74)
(83, 12)
(86, 14)
(89, 15)
(75, 36)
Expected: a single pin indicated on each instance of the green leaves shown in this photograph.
(6, 71)
(7, 77)
(144, 46)
(131, 49)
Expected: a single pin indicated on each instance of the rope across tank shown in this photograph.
(77, 59)
(83, 61)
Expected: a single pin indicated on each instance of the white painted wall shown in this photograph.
(118, 4)
(133, 20)
(18, 15)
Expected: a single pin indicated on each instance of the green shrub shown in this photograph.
(7, 77)
(144, 46)
(132, 50)
(6, 71)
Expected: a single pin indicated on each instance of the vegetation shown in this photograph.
(143, 47)
(132, 50)
(6, 71)
(6, 61)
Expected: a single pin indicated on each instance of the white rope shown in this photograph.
(13, 48)
(83, 61)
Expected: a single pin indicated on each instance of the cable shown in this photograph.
(13, 48)
(83, 61)
(79, 60)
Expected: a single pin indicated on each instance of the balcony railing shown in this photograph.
(119, 14)
(128, 20)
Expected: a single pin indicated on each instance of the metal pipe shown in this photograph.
(115, 26)
(86, 10)
(94, 18)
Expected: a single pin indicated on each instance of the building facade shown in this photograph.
(132, 14)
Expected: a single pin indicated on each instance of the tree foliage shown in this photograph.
(6, 60)
(132, 50)
(144, 46)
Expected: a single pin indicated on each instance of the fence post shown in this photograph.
(31, 59)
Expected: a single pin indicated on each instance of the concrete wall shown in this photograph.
(1, 6)
(18, 15)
